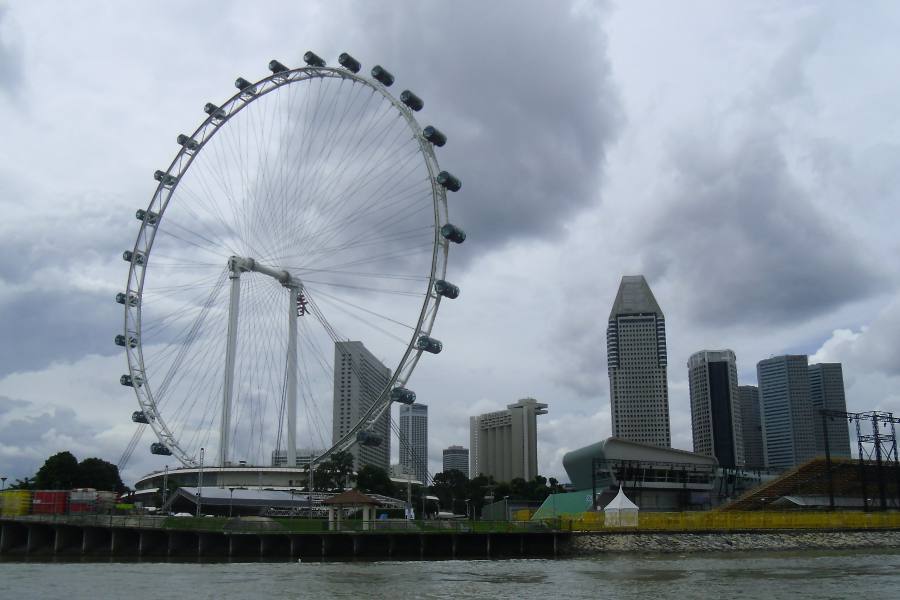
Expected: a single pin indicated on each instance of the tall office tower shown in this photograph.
(359, 379)
(751, 425)
(414, 440)
(636, 360)
(506, 441)
(715, 406)
(456, 457)
(826, 391)
(786, 411)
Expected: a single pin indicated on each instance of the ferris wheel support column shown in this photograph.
(230, 352)
(292, 377)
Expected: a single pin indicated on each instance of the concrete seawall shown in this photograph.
(583, 544)
(114, 539)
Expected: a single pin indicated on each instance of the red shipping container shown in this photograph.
(82, 507)
(49, 502)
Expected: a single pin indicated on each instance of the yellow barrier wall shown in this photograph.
(706, 521)
(14, 503)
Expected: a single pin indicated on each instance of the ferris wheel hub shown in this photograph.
(240, 264)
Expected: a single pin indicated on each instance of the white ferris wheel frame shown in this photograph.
(155, 214)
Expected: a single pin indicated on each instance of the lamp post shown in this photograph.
(230, 500)
(200, 486)
(3, 484)
(468, 500)
(506, 506)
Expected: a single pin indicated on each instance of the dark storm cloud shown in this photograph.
(26, 441)
(47, 318)
(40, 326)
(738, 234)
(10, 58)
(525, 95)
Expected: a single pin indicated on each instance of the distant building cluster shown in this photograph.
(775, 424)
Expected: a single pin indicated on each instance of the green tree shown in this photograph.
(334, 473)
(451, 489)
(375, 480)
(99, 474)
(59, 472)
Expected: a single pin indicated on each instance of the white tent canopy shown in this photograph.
(621, 512)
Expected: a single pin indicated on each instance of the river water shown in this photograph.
(867, 574)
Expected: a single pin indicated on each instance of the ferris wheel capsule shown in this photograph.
(276, 67)
(433, 135)
(411, 100)
(453, 233)
(382, 75)
(403, 395)
(313, 60)
(349, 63)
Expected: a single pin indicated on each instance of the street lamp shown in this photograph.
(230, 500)
(468, 500)
(506, 506)
(3, 480)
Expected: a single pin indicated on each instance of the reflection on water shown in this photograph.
(795, 575)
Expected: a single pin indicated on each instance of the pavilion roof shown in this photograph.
(351, 498)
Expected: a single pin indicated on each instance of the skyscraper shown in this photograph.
(786, 411)
(507, 441)
(715, 406)
(826, 391)
(359, 379)
(456, 457)
(751, 425)
(414, 440)
(636, 360)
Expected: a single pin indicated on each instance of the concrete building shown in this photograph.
(715, 406)
(456, 457)
(304, 456)
(506, 441)
(786, 411)
(655, 478)
(826, 391)
(751, 426)
(636, 361)
(359, 379)
(414, 440)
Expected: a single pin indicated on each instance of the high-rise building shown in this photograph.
(786, 411)
(456, 457)
(359, 379)
(414, 440)
(826, 391)
(636, 360)
(715, 406)
(506, 441)
(751, 425)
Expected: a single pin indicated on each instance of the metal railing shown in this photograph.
(289, 525)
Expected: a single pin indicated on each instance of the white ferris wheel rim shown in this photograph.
(181, 164)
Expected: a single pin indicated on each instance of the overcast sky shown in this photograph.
(744, 157)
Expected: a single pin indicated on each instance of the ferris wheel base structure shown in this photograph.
(323, 183)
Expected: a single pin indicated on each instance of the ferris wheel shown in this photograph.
(305, 211)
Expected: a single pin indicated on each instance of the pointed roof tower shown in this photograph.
(634, 297)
